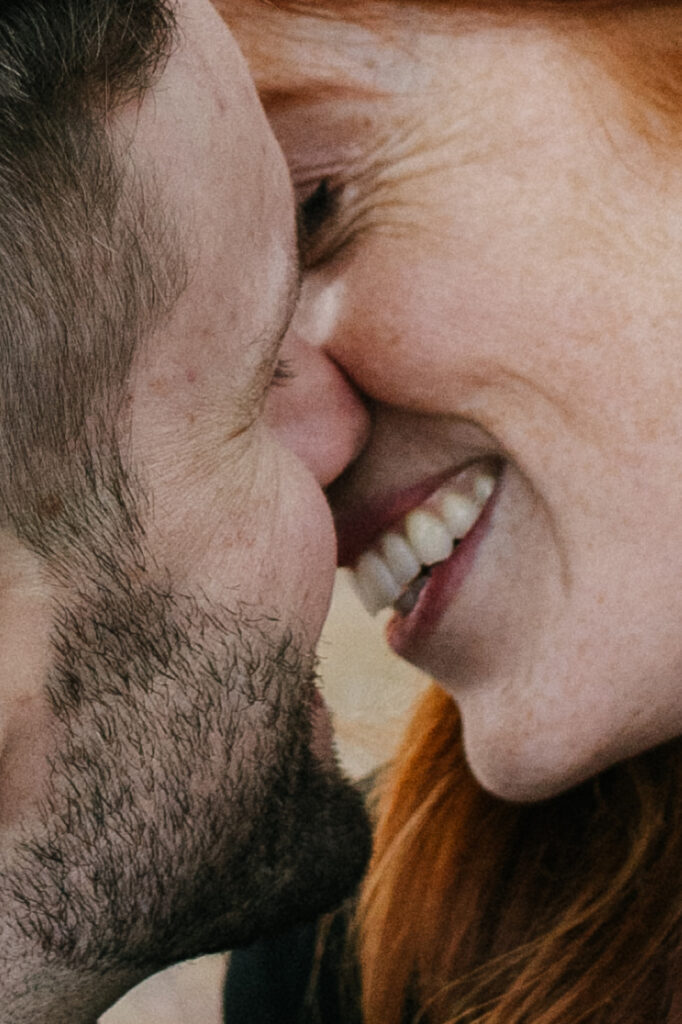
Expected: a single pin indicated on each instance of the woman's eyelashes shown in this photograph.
(317, 207)
(334, 215)
(330, 216)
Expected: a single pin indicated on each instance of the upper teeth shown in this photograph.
(423, 537)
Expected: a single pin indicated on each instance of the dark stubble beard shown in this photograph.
(185, 812)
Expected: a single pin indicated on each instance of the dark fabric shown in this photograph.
(266, 983)
(305, 976)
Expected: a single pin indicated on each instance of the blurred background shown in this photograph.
(370, 692)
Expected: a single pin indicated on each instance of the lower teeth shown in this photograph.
(409, 597)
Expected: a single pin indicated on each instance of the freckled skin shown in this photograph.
(507, 252)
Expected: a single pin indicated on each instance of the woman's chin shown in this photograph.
(519, 777)
(522, 759)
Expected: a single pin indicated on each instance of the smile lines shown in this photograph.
(397, 566)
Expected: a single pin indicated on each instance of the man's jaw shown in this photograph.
(191, 745)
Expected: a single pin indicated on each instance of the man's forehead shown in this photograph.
(205, 67)
(201, 139)
(191, 135)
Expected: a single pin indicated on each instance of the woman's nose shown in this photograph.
(316, 413)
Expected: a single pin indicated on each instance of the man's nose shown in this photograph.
(316, 413)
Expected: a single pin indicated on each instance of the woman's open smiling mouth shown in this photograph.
(411, 550)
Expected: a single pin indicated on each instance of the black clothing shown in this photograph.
(307, 975)
(285, 980)
(266, 983)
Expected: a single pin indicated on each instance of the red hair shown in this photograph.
(479, 911)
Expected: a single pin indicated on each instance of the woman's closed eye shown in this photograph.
(319, 205)
(332, 215)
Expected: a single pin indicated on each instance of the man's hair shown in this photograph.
(86, 262)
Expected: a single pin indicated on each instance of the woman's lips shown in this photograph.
(359, 525)
(406, 634)
(400, 547)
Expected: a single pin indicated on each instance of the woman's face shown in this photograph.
(495, 259)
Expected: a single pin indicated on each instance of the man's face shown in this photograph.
(181, 807)
(233, 511)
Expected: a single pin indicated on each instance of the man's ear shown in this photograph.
(26, 602)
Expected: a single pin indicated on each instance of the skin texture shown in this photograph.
(498, 271)
(162, 792)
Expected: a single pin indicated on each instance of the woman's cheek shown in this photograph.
(391, 324)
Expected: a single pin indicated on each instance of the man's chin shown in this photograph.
(188, 808)
(306, 867)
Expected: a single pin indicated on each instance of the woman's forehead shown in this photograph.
(294, 46)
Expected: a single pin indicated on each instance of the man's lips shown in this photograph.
(360, 524)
